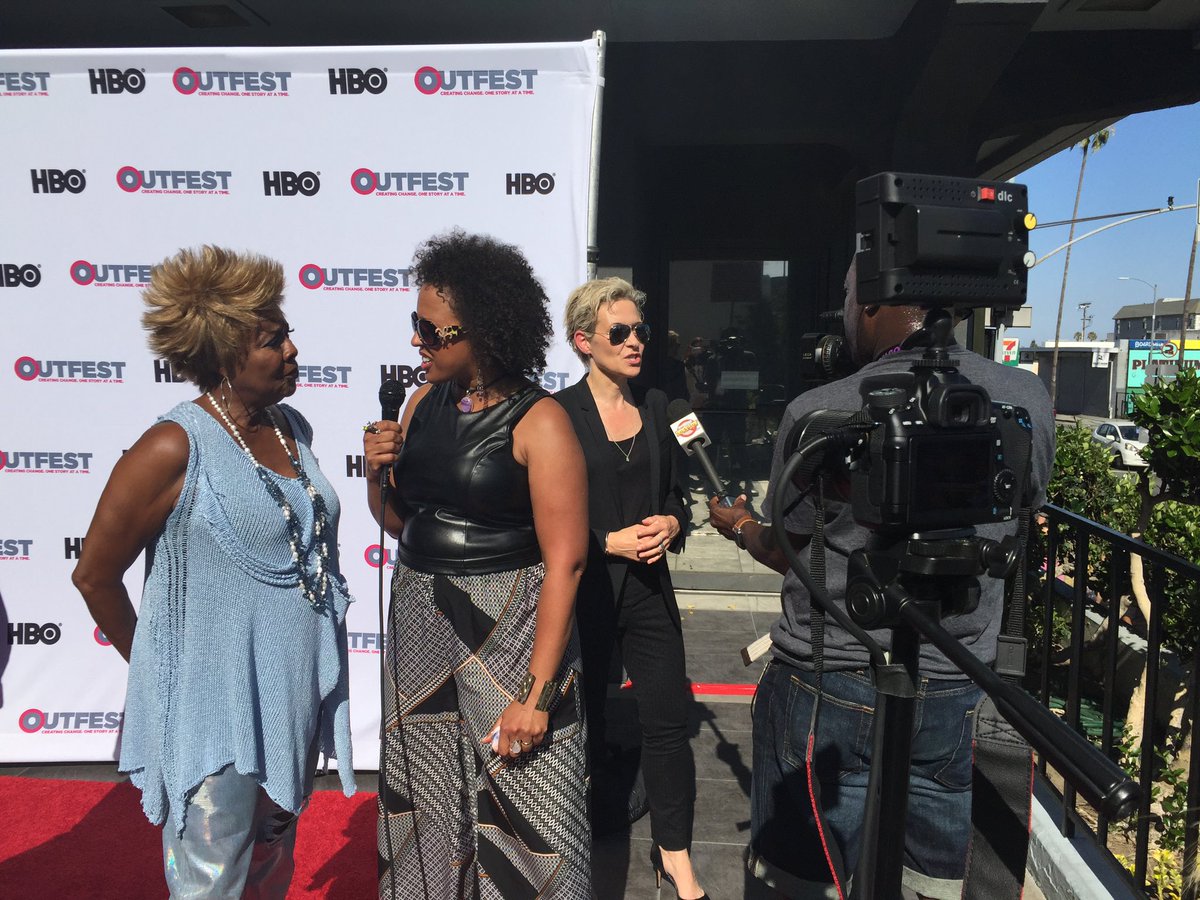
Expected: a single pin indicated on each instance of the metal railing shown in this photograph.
(1070, 532)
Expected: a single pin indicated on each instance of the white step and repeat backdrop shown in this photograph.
(335, 161)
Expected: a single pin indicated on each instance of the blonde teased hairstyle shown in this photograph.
(583, 306)
(204, 307)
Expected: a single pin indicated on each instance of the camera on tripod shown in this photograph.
(929, 450)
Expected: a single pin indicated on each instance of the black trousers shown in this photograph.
(647, 630)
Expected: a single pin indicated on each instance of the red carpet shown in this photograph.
(90, 839)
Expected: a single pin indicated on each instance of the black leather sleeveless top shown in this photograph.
(465, 500)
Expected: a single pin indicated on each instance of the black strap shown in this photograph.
(816, 565)
(1002, 786)
(1002, 777)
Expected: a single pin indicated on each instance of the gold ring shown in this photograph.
(525, 743)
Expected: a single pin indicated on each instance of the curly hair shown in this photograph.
(204, 307)
(493, 290)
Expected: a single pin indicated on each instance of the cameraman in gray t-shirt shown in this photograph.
(787, 849)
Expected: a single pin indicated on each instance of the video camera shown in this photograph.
(929, 450)
(927, 458)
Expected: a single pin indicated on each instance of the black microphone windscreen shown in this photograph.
(391, 398)
(677, 409)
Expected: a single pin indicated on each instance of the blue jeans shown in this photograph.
(785, 846)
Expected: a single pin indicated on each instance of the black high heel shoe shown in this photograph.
(660, 873)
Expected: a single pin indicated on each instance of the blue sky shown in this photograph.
(1150, 156)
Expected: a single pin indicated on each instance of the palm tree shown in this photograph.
(1090, 144)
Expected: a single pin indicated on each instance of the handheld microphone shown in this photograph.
(391, 398)
(693, 439)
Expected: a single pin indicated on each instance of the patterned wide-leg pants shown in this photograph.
(460, 821)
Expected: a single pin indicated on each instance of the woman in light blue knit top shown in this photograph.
(237, 655)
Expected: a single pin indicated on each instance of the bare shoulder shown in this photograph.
(544, 429)
(163, 445)
(153, 468)
(546, 413)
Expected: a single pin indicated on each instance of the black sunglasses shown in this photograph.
(619, 333)
(431, 337)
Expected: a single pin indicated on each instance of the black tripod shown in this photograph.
(908, 586)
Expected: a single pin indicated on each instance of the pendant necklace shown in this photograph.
(622, 450)
(478, 390)
(314, 587)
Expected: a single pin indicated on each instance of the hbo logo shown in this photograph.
(56, 181)
(357, 81)
(32, 633)
(19, 276)
(116, 81)
(528, 183)
(289, 184)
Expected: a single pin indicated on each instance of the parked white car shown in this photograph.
(1123, 440)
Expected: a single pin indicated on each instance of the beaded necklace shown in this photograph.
(315, 588)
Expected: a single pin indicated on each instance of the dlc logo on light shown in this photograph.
(474, 82)
(133, 180)
(354, 278)
(73, 371)
(33, 721)
(367, 181)
(214, 83)
(90, 274)
(24, 84)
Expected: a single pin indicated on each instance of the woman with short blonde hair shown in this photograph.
(636, 512)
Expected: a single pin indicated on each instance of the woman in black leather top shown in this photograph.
(483, 767)
(636, 513)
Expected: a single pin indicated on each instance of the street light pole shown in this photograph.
(1153, 315)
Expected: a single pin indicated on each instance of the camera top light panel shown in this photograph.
(929, 240)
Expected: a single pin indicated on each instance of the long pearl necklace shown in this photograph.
(315, 588)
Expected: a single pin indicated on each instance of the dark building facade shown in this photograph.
(734, 133)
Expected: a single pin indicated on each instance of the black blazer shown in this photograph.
(605, 575)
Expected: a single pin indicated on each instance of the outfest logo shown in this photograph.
(219, 83)
(430, 80)
(133, 180)
(46, 461)
(33, 721)
(73, 371)
(24, 84)
(85, 274)
(367, 181)
(317, 277)
(323, 376)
